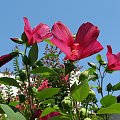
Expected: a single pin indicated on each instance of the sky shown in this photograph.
(103, 13)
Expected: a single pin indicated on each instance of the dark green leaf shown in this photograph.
(81, 91)
(69, 67)
(25, 60)
(44, 71)
(9, 81)
(47, 93)
(22, 98)
(113, 109)
(116, 87)
(108, 100)
(33, 54)
(17, 40)
(24, 38)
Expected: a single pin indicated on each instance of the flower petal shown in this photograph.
(87, 34)
(92, 49)
(27, 28)
(112, 59)
(61, 32)
(63, 47)
(41, 32)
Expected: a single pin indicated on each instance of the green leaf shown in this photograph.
(11, 114)
(33, 54)
(44, 71)
(99, 58)
(116, 87)
(69, 67)
(25, 60)
(13, 103)
(59, 117)
(47, 93)
(17, 40)
(24, 38)
(47, 111)
(113, 109)
(108, 100)
(22, 98)
(9, 81)
(50, 55)
(48, 42)
(48, 101)
(81, 91)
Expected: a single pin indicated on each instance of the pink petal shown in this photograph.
(63, 47)
(116, 67)
(61, 32)
(112, 59)
(27, 28)
(41, 32)
(92, 49)
(86, 35)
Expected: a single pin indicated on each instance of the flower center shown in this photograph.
(76, 51)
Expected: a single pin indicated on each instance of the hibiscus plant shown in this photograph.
(55, 88)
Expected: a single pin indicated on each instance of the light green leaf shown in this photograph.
(48, 42)
(81, 91)
(47, 93)
(48, 101)
(113, 109)
(47, 111)
(44, 71)
(108, 100)
(59, 117)
(11, 114)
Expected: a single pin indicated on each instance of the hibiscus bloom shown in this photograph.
(6, 58)
(38, 33)
(85, 43)
(113, 59)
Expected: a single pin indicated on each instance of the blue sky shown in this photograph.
(103, 13)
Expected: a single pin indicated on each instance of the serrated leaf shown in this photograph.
(47, 93)
(44, 71)
(33, 54)
(9, 81)
(108, 100)
(116, 87)
(81, 91)
(113, 109)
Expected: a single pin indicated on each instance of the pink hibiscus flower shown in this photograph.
(38, 33)
(113, 59)
(85, 44)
